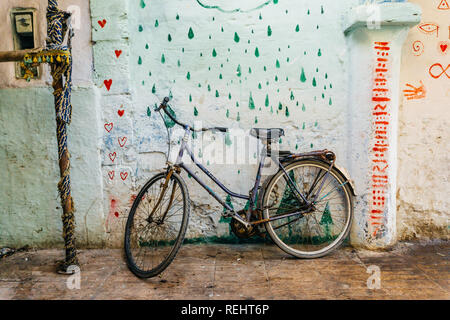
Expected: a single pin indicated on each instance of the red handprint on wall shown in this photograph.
(415, 92)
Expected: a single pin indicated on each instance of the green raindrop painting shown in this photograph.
(303, 76)
(236, 37)
(257, 52)
(190, 33)
(251, 103)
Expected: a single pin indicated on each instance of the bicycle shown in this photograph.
(306, 207)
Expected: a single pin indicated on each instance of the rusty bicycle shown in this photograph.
(306, 207)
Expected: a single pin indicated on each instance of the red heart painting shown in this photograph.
(108, 84)
(109, 126)
(444, 47)
(124, 175)
(111, 175)
(116, 214)
(102, 23)
(120, 112)
(112, 156)
(122, 141)
(118, 53)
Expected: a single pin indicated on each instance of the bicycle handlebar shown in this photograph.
(163, 106)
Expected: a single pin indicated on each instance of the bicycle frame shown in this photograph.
(252, 197)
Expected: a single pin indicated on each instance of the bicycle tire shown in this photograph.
(335, 174)
(160, 267)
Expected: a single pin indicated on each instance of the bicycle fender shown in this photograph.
(346, 175)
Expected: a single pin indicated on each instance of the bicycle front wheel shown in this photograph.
(156, 225)
(320, 229)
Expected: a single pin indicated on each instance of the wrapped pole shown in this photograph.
(68, 218)
(58, 22)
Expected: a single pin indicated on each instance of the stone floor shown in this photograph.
(410, 271)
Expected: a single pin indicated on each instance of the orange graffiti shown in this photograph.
(429, 28)
(418, 47)
(437, 70)
(415, 93)
(379, 146)
(443, 5)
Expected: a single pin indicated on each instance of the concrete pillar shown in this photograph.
(375, 35)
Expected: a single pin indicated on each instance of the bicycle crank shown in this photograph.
(241, 230)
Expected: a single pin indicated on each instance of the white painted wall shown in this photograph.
(202, 74)
(82, 47)
(424, 136)
(30, 210)
(103, 203)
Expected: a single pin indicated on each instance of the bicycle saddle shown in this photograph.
(267, 134)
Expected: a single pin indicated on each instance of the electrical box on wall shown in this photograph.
(25, 33)
(24, 24)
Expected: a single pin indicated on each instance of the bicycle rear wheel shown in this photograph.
(156, 225)
(322, 229)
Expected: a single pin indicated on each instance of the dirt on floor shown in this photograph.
(215, 271)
